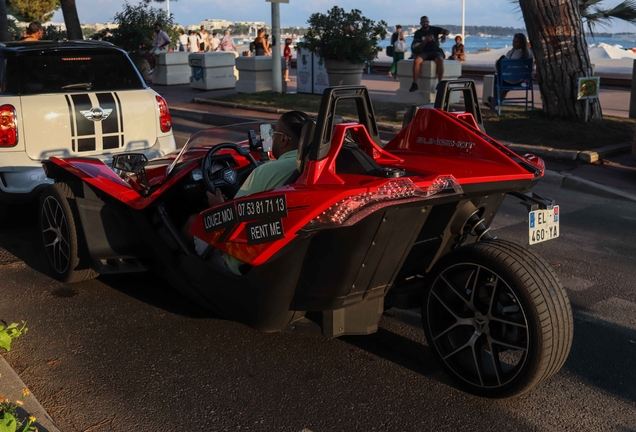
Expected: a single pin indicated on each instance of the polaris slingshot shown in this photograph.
(359, 228)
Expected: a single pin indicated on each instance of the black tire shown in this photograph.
(66, 255)
(508, 349)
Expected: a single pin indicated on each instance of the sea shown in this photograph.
(483, 43)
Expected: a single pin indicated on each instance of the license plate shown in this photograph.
(543, 225)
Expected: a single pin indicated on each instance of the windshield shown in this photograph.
(256, 135)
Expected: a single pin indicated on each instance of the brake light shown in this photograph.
(164, 115)
(8, 126)
(352, 209)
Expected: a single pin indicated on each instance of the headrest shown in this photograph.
(304, 142)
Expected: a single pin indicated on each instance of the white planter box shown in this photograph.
(212, 71)
(172, 69)
(427, 81)
(255, 73)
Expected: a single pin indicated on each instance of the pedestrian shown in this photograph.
(260, 43)
(160, 45)
(214, 42)
(34, 32)
(193, 41)
(183, 40)
(399, 48)
(227, 44)
(204, 43)
(288, 57)
(425, 46)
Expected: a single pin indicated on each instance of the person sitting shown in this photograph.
(266, 177)
(425, 46)
(160, 45)
(519, 50)
(34, 32)
(458, 50)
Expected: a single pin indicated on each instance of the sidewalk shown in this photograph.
(608, 171)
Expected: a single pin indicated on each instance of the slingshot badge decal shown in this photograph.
(230, 176)
(97, 113)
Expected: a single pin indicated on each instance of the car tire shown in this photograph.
(66, 255)
(497, 318)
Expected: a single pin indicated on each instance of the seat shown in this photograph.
(514, 75)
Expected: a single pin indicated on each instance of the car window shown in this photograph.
(71, 71)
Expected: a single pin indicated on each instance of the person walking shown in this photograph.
(204, 43)
(183, 40)
(399, 48)
(214, 42)
(260, 43)
(425, 46)
(288, 58)
(227, 44)
(193, 41)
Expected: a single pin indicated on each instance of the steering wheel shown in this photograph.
(225, 177)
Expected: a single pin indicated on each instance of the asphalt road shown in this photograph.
(130, 353)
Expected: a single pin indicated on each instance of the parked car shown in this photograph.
(360, 227)
(66, 99)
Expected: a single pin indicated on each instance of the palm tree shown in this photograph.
(592, 14)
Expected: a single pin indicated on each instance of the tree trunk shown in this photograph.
(555, 30)
(4, 23)
(71, 19)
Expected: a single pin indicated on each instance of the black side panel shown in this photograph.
(107, 228)
(344, 265)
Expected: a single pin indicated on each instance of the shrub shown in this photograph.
(136, 30)
(341, 35)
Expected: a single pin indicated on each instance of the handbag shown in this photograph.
(399, 46)
(389, 50)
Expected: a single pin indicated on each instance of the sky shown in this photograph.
(295, 13)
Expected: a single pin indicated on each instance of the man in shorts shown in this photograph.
(426, 47)
(160, 45)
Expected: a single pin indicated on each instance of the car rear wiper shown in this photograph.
(86, 86)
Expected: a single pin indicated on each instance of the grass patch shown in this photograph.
(514, 125)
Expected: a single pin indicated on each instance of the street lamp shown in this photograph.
(463, 19)
(277, 77)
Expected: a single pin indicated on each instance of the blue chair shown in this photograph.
(514, 75)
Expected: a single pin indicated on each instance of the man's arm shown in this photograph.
(443, 33)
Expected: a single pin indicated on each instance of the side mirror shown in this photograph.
(130, 162)
(130, 168)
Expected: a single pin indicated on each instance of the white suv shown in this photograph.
(80, 98)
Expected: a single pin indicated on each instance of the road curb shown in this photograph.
(572, 182)
(11, 386)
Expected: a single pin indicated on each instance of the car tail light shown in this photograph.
(164, 115)
(8, 126)
(351, 209)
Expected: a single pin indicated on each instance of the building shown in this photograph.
(215, 24)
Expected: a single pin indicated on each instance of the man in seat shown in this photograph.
(266, 177)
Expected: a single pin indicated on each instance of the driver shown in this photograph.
(266, 177)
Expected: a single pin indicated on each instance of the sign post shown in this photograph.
(277, 77)
(588, 89)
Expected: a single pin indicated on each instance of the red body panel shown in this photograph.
(434, 144)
